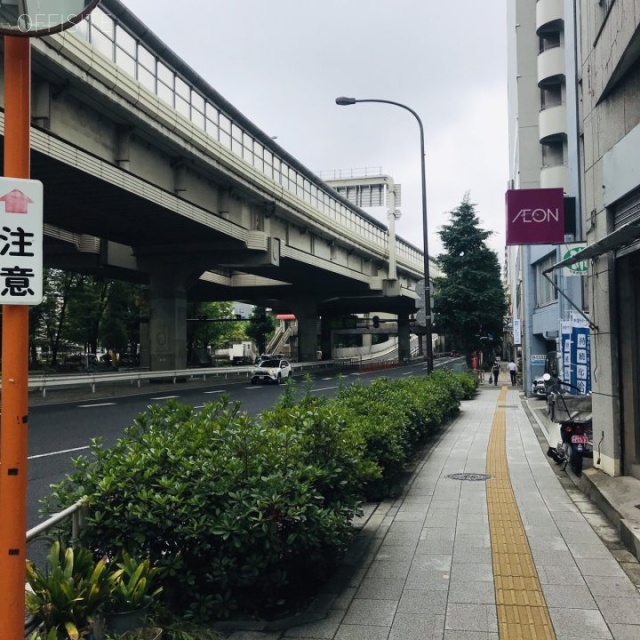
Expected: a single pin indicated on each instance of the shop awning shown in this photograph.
(625, 235)
(285, 316)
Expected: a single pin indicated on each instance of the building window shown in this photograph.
(545, 293)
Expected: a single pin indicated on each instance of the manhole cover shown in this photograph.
(474, 477)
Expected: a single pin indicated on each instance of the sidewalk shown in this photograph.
(520, 554)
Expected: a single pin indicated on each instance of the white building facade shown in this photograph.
(544, 153)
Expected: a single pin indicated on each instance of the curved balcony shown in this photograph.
(552, 124)
(554, 177)
(551, 67)
(549, 16)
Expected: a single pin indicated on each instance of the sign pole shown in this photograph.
(15, 361)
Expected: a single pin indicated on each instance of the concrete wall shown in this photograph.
(611, 111)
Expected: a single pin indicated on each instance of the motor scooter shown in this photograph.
(573, 414)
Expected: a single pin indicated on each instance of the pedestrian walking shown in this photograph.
(496, 373)
(513, 371)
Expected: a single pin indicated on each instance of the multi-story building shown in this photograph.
(543, 134)
(610, 81)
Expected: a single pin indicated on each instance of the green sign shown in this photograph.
(577, 268)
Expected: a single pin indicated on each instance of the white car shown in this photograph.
(275, 371)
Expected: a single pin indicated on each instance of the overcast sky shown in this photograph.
(282, 63)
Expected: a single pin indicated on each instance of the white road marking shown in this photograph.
(99, 404)
(219, 391)
(165, 397)
(57, 453)
(324, 389)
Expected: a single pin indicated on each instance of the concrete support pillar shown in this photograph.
(367, 339)
(404, 338)
(326, 338)
(168, 314)
(306, 312)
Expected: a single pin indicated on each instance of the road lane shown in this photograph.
(59, 433)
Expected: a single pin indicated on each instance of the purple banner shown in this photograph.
(535, 216)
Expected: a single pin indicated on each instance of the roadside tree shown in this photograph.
(469, 300)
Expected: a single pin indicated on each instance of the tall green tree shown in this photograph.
(119, 328)
(469, 300)
(211, 325)
(49, 325)
(87, 303)
(261, 327)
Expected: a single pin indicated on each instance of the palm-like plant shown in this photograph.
(132, 586)
(67, 597)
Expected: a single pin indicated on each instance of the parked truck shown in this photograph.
(241, 353)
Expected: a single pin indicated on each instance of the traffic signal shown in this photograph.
(376, 322)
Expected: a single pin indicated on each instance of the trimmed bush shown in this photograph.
(245, 514)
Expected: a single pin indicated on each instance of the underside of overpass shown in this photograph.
(125, 197)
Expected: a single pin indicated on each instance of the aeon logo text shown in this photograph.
(527, 216)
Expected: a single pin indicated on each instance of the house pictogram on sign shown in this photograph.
(16, 202)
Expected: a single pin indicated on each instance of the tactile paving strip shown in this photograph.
(522, 610)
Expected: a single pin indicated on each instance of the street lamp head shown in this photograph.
(343, 102)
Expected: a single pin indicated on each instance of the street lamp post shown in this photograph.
(343, 102)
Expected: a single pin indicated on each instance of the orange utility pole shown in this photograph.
(15, 361)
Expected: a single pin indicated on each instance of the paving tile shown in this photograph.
(545, 558)
(416, 499)
(432, 562)
(606, 567)
(395, 553)
(587, 625)
(377, 613)
(472, 572)
(548, 543)
(473, 521)
(410, 516)
(321, 629)
(402, 537)
(423, 602)
(362, 632)
(471, 617)
(560, 575)
(435, 547)
(466, 592)
(471, 555)
(578, 597)
(409, 626)
(624, 631)
(468, 635)
(605, 586)
(389, 569)
(342, 602)
(438, 533)
(254, 635)
(474, 540)
(405, 526)
(381, 589)
(616, 609)
(430, 581)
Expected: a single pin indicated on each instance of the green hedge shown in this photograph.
(241, 513)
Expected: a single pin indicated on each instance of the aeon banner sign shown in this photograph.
(535, 216)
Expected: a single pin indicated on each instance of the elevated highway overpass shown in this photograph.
(151, 175)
